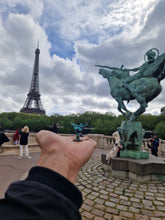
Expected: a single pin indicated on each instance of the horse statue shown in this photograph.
(143, 86)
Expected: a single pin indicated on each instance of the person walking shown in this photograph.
(24, 142)
(16, 137)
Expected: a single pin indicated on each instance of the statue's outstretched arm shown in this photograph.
(133, 69)
(108, 67)
(73, 124)
(82, 126)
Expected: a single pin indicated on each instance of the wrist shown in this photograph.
(59, 164)
(57, 182)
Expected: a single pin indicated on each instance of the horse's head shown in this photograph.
(104, 73)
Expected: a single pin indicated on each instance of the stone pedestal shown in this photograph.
(131, 133)
(134, 154)
(141, 170)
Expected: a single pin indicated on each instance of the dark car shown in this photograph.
(148, 134)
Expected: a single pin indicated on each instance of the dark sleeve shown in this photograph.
(43, 195)
(148, 145)
(157, 142)
(3, 138)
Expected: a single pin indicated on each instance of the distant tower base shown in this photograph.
(33, 111)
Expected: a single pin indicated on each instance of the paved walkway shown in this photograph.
(105, 198)
(117, 199)
(12, 169)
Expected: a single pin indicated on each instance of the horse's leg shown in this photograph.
(119, 106)
(122, 107)
(119, 101)
(128, 113)
(141, 109)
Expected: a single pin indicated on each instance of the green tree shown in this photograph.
(98, 126)
(149, 121)
(6, 123)
(160, 129)
(17, 122)
(102, 123)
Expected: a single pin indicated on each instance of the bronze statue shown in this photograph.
(143, 86)
(78, 129)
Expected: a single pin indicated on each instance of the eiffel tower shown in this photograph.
(33, 103)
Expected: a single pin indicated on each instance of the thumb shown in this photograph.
(86, 148)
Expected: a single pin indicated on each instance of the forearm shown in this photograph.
(44, 194)
(59, 164)
(133, 69)
(57, 182)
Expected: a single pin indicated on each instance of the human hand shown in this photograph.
(62, 154)
(151, 139)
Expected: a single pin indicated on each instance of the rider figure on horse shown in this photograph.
(147, 69)
(143, 86)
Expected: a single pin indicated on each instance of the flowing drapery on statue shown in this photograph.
(143, 87)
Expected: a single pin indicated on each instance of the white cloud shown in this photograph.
(96, 32)
(23, 6)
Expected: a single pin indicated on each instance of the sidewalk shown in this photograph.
(105, 198)
(12, 169)
(109, 198)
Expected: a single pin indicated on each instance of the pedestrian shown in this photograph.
(154, 144)
(24, 142)
(55, 127)
(16, 137)
(3, 138)
(49, 191)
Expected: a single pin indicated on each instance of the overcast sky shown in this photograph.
(74, 35)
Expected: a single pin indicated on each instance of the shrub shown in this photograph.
(160, 129)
